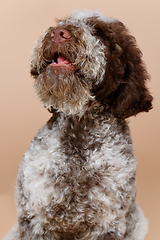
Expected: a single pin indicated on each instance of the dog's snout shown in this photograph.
(60, 35)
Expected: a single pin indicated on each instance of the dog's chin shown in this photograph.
(60, 88)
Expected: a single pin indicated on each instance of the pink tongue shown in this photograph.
(62, 60)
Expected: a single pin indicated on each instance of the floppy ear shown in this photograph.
(124, 85)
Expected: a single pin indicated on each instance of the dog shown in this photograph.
(77, 179)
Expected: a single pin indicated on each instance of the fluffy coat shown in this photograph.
(77, 179)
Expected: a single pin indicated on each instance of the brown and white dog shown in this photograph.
(78, 178)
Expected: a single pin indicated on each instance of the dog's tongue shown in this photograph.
(62, 60)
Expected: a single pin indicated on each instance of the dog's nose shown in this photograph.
(60, 35)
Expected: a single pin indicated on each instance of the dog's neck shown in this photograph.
(94, 113)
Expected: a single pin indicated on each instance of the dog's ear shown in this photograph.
(124, 85)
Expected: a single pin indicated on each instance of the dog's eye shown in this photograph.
(100, 41)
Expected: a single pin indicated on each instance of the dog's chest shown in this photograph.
(67, 167)
(59, 159)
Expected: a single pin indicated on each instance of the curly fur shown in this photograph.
(77, 179)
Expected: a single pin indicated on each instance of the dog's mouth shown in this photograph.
(58, 60)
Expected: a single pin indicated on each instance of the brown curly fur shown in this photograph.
(123, 87)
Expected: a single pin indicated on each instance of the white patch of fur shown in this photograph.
(85, 14)
(37, 162)
(141, 226)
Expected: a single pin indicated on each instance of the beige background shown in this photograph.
(21, 22)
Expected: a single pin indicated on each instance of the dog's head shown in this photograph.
(90, 58)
